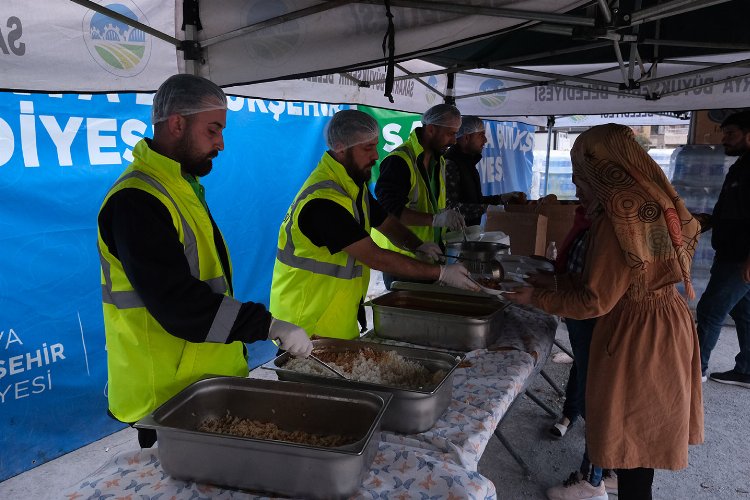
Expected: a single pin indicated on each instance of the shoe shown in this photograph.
(731, 377)
(559, 429)
(704, 377)
(609, 479)
(576, 488)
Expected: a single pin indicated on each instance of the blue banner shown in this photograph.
(507, 158)
(59, 154)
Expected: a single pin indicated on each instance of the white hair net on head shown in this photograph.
(350, 127)
(186, 95)
(442, 115)
(470, 125)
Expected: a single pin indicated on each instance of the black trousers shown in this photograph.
(634, 484)
(146, 437)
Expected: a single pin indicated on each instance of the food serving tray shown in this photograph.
(269, 466)
(450, 321)
(410, 410)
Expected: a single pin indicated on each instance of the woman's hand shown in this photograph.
(520, 295)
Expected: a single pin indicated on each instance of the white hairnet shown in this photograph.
(186, 95)
(442, 115)
(350, 127)
(470, 125)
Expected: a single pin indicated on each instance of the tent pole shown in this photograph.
(191, 24)
(550, 124)
(190, 67)
(450, 91)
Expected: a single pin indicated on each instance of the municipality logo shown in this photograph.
(496, 98)
(117, 47)
(430, 96)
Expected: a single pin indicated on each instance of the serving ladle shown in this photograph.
(496, 270)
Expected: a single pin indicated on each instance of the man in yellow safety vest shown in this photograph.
(170, 317)
(411, 185)
(325, 252)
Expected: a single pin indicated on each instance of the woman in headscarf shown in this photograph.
(643, 396)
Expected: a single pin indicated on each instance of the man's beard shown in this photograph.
(362, 177)
(438, 149)
(358, 176)
(734, 151)
(194, 163)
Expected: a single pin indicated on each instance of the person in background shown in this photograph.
(170, 317)
(462, 182)
(728, 289)
(411, 185)
(325, 251)
(643, 393)
(590, 480)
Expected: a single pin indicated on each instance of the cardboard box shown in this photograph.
(705, 125)
(560, 217)
(527, 231)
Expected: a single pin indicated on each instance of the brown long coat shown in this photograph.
(643, 395)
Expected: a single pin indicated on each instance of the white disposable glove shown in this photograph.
(429, 249)
(456, 275)
(291, 338)
(449, 218)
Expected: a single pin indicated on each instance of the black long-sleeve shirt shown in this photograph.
(393, 185)
(328, 224)
(731, 216)
(137, 229)
(463, 187)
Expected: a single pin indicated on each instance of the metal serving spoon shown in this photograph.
(329, 367)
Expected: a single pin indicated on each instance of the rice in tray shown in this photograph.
(244, 427)
(368, 365)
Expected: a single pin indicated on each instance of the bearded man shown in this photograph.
(325, 251)
(170, 317)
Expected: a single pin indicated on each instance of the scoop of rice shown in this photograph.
(368, 365)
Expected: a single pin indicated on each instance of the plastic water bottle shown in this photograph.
(551, 253)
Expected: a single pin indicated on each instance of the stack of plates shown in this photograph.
(518, 267)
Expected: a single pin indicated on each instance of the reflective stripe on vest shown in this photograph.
(406, 151)
(131, 299)
(287, 256)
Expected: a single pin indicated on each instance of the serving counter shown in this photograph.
(440, 463)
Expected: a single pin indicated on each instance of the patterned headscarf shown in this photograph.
(650, 220)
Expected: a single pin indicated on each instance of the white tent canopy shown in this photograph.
(497, 94)
(333, 51)
(64, 45)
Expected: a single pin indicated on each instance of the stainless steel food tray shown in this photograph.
(268, 466)
(461, 322)
(410, 411)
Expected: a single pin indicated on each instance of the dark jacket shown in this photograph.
(731, 216)
(464, 187)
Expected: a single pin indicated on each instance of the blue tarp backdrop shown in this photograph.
(507, 158)
(59, 154)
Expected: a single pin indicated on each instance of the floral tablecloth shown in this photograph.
(437, 464)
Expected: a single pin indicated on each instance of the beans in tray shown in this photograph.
(490, 283)
(370, 365)
(255, 429)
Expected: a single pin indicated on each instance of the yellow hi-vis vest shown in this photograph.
(419, 195)
(146, 365)
(311, 288)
